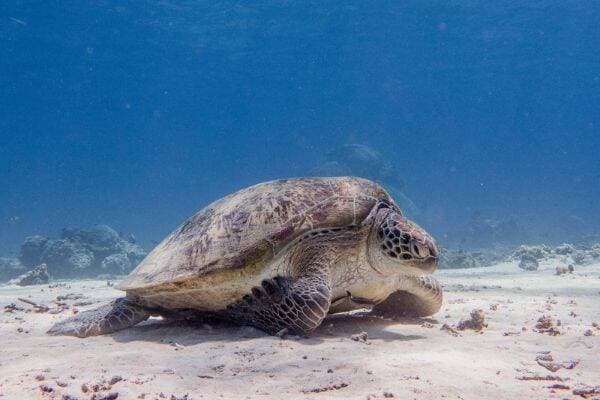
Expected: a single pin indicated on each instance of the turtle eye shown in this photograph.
(383, 203)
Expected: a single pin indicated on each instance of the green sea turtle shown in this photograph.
(280, 256)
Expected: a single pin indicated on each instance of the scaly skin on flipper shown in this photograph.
(280, 304)
(114, 316)
(420, 297)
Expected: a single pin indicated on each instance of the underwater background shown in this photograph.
(481, 118)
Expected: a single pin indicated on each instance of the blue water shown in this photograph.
(136, 114)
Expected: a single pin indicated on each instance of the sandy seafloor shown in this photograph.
(405, 359)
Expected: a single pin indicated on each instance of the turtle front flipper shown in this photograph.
(114, 316)
(417, 297)
(281, 304)
(298, 302)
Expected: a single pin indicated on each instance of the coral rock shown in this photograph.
(36, 276)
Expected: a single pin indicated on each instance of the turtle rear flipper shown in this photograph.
(114, 316)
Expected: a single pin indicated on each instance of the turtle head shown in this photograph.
(397, 244)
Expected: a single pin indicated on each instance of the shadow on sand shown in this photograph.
(191, 332)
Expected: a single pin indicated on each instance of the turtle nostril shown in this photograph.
(419, 250)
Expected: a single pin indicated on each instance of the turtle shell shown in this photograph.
(251, 226)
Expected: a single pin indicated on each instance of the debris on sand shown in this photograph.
(549, 365)
(588, 332)
(476, 321)
(70, 296)
(360, 337)
(545, 359)
(62, 383)
(46, 389)
(450, 330)
(559, 386)
(102, 389)
(570, 364)
(326, 388)
(39, 308)
(12, 307)
(540, 378)
(587, 392)
(545, 324)
(386, 395)
(109, 396)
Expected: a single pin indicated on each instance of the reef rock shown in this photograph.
(117, 264)
(565, 252)
(83, 252)
(532, 252)
(101, 240)
(529, 263)
(32, 249)
(134, 252)
(66, 258)
(594, 250)
(584, 254)
(564, 249)
(37, 276)
(582, 257)
(454, 259)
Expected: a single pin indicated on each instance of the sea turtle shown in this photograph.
(280, 256)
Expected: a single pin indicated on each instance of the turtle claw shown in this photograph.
(259, 293)
(282, 333)
(273, 287)
(269, 289)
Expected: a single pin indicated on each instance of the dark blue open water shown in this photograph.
(136, 114)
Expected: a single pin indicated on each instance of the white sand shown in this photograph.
(407, 359)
